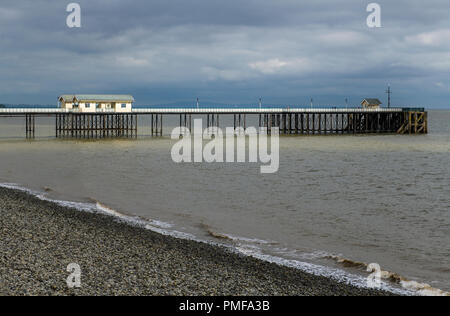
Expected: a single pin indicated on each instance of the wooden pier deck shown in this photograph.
(289, 121)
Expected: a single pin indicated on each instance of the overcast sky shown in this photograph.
(228, 51)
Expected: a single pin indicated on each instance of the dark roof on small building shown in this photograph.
(97, 97)
(372, 101)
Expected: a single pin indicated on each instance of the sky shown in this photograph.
(228, 52)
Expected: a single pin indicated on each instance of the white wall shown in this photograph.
(106, 106)
(118, 107)
(67, 105)
(91, 109)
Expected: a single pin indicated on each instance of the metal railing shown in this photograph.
(207, 110)
(51, 110)
(33, 110)
(264, 110)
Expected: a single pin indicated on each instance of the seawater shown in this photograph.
(336, 203)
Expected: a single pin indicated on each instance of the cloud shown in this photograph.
(8, 15)
(127, 61)
(269, 66)
(439, 37)
(163, 51)
(342, 38)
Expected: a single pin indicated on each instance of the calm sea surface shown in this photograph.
(372, 199)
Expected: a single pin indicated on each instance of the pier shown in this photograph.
(289, 121)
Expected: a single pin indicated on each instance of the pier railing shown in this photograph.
(33, 110)
(264, 110)
(51, 110)
(203, 110)
(302, 121)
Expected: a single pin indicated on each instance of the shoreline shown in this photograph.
(41, 238)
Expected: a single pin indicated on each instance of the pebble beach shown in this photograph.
(39, 239)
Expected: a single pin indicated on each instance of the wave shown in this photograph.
(251, 247)
(212, 233)
(423, 289)
(101, 208)
(248, 247)
(217, 235)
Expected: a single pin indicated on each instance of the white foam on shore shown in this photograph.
(245, 246)
(340, 276)
(419, 288)
(248, 240)
(87, 207)
(98, 207)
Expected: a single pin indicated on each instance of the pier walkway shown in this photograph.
(290, 121)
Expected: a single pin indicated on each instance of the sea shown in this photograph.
(336, 204)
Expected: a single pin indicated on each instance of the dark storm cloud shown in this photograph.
(227, 51)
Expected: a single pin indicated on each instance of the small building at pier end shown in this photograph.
(371, 103)
(92, 103)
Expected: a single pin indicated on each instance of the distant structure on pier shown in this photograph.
(371, 103)
(92, 103)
